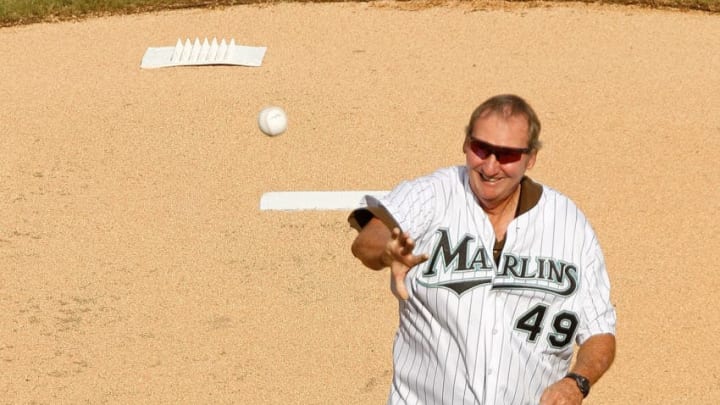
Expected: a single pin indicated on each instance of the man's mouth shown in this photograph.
(489, 179)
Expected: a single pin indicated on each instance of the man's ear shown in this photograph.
(531, 159)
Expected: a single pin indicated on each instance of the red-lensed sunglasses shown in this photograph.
(503, 154)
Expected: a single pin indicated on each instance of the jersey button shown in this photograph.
(494, 331)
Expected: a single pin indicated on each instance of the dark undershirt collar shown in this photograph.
(530, 193)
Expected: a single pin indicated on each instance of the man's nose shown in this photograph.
(491, 166)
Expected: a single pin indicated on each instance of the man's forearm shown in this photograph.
(369, 246)
(595, 357)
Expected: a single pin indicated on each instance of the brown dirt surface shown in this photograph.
(136, 266)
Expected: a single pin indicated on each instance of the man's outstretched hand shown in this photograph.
(399, 256)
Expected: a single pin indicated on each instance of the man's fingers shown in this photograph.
(419, 259)
(408, 247)
(398, 289)
(411, 261)
(407, 244)
(402, 243)
(397, 281)
(401, 247)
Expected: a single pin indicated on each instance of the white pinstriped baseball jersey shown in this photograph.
(473, 332)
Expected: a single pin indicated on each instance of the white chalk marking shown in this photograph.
(314, 200)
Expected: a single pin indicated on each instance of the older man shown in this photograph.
(497, 276)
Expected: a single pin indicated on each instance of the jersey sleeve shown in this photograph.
(598, 311)
(410, 206)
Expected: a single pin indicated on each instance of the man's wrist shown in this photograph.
(582, 383)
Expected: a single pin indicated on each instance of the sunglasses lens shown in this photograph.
(507, 157)
(483, 151)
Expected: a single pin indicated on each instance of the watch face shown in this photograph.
(582, 383)
(584, 386)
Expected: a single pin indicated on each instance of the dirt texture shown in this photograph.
(137, 267)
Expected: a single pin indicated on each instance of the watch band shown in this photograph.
(582, 382)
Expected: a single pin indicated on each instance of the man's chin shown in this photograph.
(492, 196)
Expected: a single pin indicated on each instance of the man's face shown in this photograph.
(496, 157)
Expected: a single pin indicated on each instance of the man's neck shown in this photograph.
(504, 207)
(502, 214)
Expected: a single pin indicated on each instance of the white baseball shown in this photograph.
(272, 121)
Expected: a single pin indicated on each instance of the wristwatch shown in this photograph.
(582, 383)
